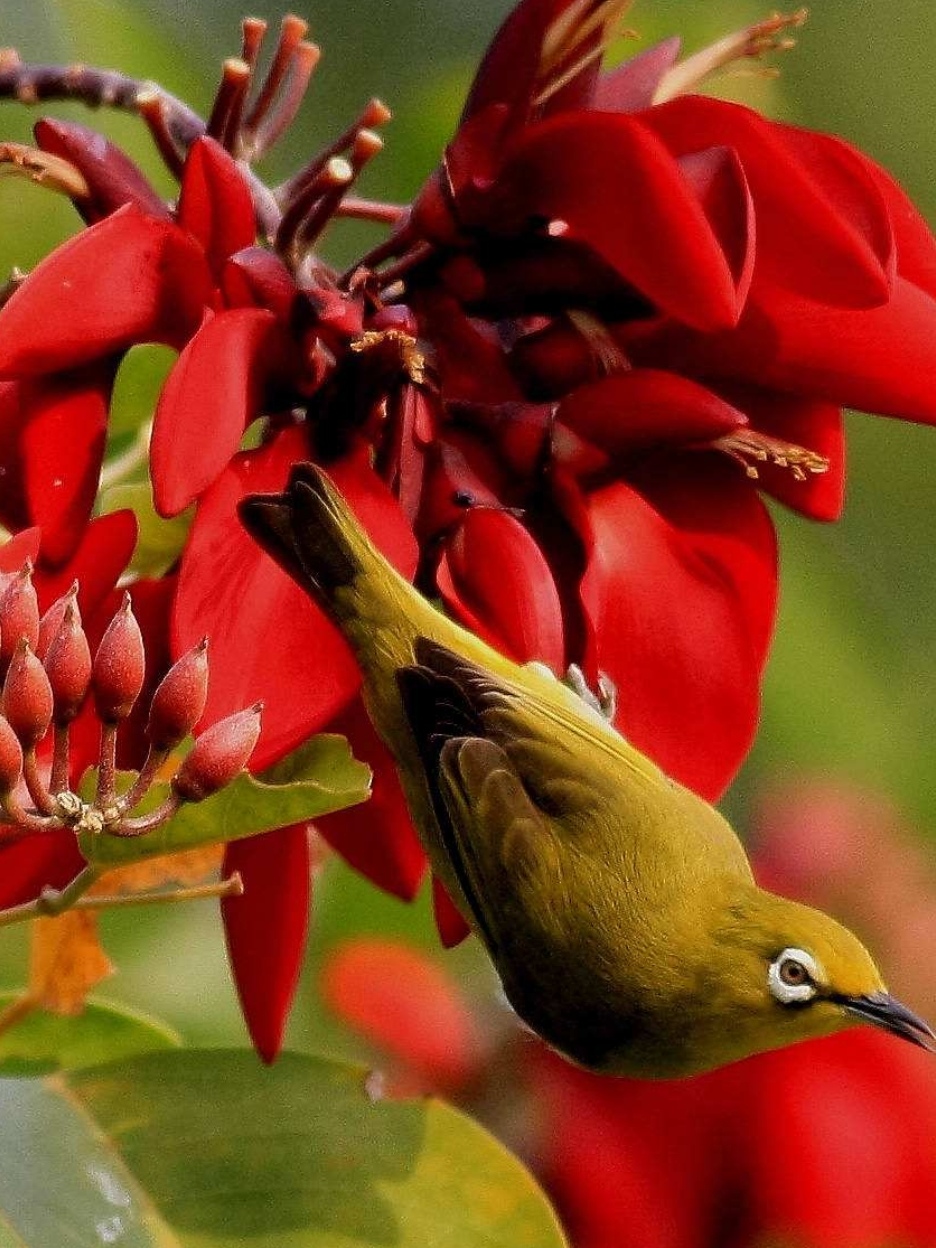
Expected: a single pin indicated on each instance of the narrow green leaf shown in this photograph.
(321, 776)
(203, 1149)
(42, 1042)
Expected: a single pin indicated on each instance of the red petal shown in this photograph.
(215, 204)
(508, 72)
(633, 85)
(451, 926)
(129, 278)
(15, 551)
(812, 1106)
(808, 423)
(267, 639)
(14, 513)
(824, 232)
(101, 559)
(496, 581)
(618, 188)
(214, 391)
(113, 179)
(266, 928)
(378, 838)
(256, 277)
(680, 592)
(877, 360)
(647, 407)
(47, 860)
(62, 446)
(404, 1003)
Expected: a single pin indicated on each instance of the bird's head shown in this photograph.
(793, 973)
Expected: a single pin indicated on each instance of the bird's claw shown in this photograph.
(602, 699)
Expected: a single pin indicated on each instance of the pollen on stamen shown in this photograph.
(748, 444)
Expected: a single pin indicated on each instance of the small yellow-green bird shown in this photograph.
(618, 907)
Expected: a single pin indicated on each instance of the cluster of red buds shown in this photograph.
(48, 678)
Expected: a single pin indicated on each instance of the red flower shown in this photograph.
(611, 308)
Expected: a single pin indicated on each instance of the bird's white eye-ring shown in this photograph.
(792, 976)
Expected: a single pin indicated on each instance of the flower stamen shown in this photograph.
(745, 445)
(753, 41)
(412, 360)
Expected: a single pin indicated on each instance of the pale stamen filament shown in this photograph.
(751, 42)
(747, 445)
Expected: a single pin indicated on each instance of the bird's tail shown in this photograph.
(312, 533)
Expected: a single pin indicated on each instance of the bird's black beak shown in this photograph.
(883, 1010)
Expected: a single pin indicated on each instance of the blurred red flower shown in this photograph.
(827, 1144)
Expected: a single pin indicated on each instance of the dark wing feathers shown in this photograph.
(485, 814)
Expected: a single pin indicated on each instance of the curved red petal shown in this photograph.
(62, 447)
(255, 277)
(876, 359)
(378, 838)
(15, 551)
(98, 563)
(647, 407)
(209, 398)
(680, 592)
(130, 278)
(266, 928)
(112, 177)
(618, 189)
(824, 233)
(14, 405)
(48, 860)
(496, 581)
(215, 204)
(452, 928)
(632, 86)
(404, 1003)
(509, 69)
(808, 423)
(268, 640)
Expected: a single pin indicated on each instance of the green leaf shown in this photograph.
(42, 1042)
(321, 776)
(197, 1149)
(159, 541)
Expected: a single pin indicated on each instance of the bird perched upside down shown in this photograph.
(618, 907)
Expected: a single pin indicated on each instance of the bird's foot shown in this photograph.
(603, 698)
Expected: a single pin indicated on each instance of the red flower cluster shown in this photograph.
(613, 312)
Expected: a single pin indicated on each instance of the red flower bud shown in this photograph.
(179, 701)
(119, 666)
(11, 758)
(51, 622)
(218, 755)
(19, 614)
(68, 666)
(27, 697)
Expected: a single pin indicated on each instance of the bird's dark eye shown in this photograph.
(793, 973)
(793, 976)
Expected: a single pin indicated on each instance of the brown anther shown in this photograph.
(119, 666)
(747, 445)
(27, 697)
(404, 346)
(218, 755)
(179, 701)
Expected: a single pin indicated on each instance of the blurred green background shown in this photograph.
(852, 683)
